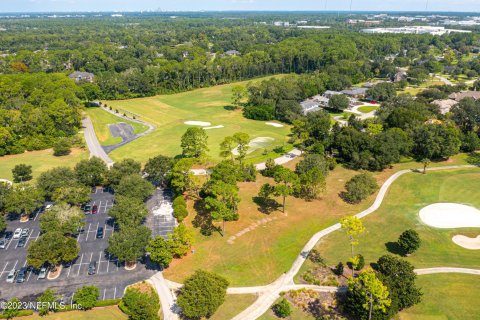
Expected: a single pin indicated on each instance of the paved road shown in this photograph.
(166, 296)
(94, 146)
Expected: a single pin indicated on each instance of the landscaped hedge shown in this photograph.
(106, 303)
(21, 313)
(180, 211)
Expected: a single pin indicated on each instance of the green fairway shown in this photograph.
(399, 211)
(233, 305)
(169, 112)
(446, 297)
(367, 109)
(101, 119)
(40, 161)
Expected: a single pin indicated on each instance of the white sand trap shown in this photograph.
(215, 127)
(257, 143)
(273, 124)
(198, 123)
(467, 242)
(450, 215)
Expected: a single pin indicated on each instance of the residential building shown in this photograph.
(79, 76)
(314, 104)
(467, 94)
(356, 92)
(445, 105)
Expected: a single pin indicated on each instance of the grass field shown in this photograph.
(297, 314)
(399, 212)
(40, 161)
(446, 297)
(233, 305)
(367, 109)
(104, 313)
(169, 112)
(101, 119)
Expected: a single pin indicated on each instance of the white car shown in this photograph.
(17, 234)
(11, 276)
(48, 206)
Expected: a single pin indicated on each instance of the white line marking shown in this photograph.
(25, 263)
(5, 267)
(29, 274)
(108, 263)
(80, 266)
(15, 264)
(8, 245)
(104, 291)
(86, 238)
(38, 235)
(115, 293)
(104, 230)
(26, 242)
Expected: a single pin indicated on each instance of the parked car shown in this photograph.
(87, 208)
(43, 273)
(92, 268)
(25, 232)
(22, 275)
(11, 276)
(8, 235)
(94, 209)
(17, 233)
(48, 206)
(22, 241)
(100, 233)
(3, 243)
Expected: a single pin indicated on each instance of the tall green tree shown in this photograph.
(24, 199)
(86, 296)
(55, 178)
(22, 173)
(353, 226)
(128, 212)
(242, 140)
(134, 186)
(73, 195)
(91, 172)
(182, 177)
(158, 170)
(202, 294)
(180, 240)
(129, 243)
(62, 218)
(121, 169)
(287, 183)
(222, 202)
(194, 143)
(160, 251)
(52, 248)
(47, 302)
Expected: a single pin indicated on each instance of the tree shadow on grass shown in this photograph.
(265, 205)
(203, 220)
(394, 248)
(230, 108)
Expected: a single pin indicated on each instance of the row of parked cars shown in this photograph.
(88, 209)
(19, 233)
(19, 276)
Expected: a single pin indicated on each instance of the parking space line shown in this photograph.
(8, 245)
(88, 232)
(38, 235)
(104, 230)
(5, 267)
(25, 263)
(99, 260)
(26, 242)
(80, 266)
(108, 263)
(114, 293)
(29, 274)
(104, 291)
(15, 264)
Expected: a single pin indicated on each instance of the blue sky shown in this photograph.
(187, 5)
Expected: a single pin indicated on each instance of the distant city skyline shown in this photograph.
(225, 5)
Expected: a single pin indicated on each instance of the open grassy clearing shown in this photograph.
(446, 297)
(367, 109)
(297, 314)
(40, 161)
(233, 305)
(399, 212)
(101, 119)
(261, 255)
(103, 313)
(169, 112)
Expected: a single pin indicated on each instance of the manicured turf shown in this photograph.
(446, 297)
(233, 305)
(40, 161)
(367, 109)
(101, 119)
(264, 253)
(105, 313)
(169, 112)
(399, 212)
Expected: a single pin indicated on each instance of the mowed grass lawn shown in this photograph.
(101, 119)
(446, 297)
(233, 305)
(105, 313)
(169, 112)
(367, 109)
(40, 161)
(399, 211)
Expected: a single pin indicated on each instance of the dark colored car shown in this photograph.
(22, 241)
(87, 208)
(8, 235)
(3, 243)
(94, 209)
(100, 233)
(92, 268)
(22, 275)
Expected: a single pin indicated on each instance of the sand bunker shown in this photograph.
(257, 143)
(215, 127)
(273, 124)
(198, 123)
(467, 242)
(450, 215)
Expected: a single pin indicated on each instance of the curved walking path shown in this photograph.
(93, 144)
(447, 270)
(272, 291)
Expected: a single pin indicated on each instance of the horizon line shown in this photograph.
(239, 10)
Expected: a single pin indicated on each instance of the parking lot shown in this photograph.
(161, 220)
(111, 276)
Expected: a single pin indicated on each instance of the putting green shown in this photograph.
(170, 112)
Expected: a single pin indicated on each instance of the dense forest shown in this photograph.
(138, 56)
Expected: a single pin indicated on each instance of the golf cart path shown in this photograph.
(93, 144)
(447, 270)
(272, 291)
